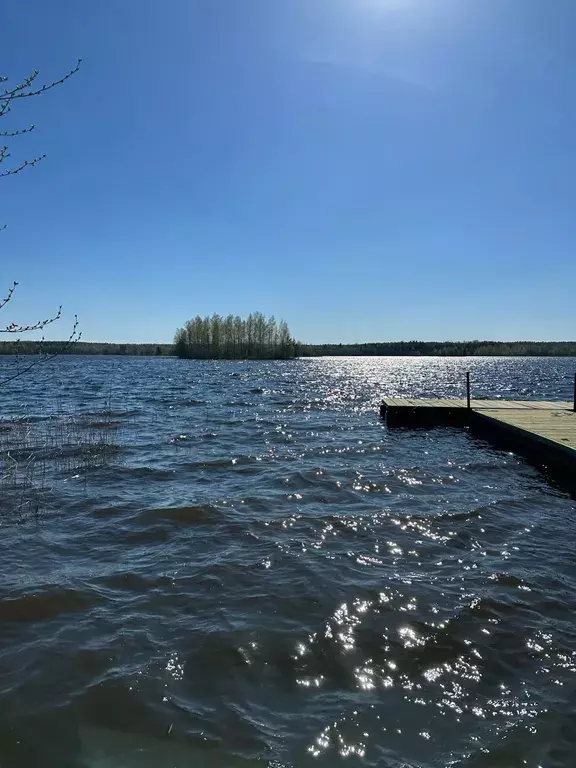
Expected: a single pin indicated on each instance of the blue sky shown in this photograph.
(366, 169)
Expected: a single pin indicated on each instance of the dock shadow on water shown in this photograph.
(359, 597)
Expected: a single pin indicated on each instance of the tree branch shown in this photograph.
(5, 301)
(25, 164)
(19, 132)
(24, 90)
(15, 328)
(72, 339)
(8, 96)
(20, 91)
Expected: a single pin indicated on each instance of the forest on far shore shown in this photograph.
(446, 349)
(387, 348)
(29, 347)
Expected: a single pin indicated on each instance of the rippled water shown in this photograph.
(251, 570)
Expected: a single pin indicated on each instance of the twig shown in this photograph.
(25, 90)
(15, 328)
(72, 339)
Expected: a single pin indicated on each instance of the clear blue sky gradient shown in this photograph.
(366, 169)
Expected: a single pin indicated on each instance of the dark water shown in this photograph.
(251, 570)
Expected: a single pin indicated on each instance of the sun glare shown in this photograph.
(388, 5)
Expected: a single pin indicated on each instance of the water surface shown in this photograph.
(249, 569)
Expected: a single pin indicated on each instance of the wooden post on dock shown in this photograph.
(574, 403)
(468, 389)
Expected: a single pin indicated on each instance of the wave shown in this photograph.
(107, 746)
(443, 517)
(134, 582)
(111, 414)
(46, 604)
(190, 515)
(154, 535)
(236, 463)
(146, 473)
(210, 464)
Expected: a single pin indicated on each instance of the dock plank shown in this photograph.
(553, 425)
(477, 405)
(541, 429)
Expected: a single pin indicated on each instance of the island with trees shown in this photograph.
(234, 337)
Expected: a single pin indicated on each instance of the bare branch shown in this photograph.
(11, 93)
(4, 108)
(5, 301)
(8, 96)
(15, 328)
(21, 91)
(72, 339)
(24, 90)
(25, 164)
(19, 132)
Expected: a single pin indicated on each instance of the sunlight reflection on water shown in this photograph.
(262, 574)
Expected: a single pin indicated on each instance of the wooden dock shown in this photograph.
(541, 430)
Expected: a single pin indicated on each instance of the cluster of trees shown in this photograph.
(52, 348)
(447, 348)
(234, 337)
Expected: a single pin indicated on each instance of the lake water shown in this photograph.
(236, 564)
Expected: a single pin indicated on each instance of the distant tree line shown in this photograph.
(233, 338)
(283, 346)
(82, 348)
(446, 349)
